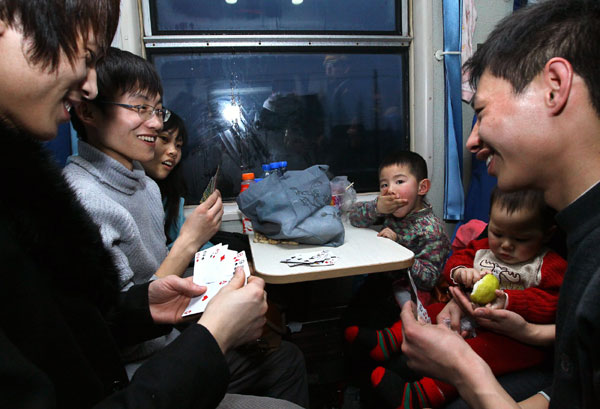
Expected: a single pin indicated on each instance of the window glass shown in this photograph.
(202, 16)
(244, 110)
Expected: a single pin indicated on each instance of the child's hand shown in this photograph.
(466, 276)
(388, 203)
(388, 233)
(500, 302)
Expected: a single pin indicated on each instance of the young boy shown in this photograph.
(407, 219)
(530, 276)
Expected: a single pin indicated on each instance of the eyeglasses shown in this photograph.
(144, 111)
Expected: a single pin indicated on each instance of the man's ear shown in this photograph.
(3, 27)
(85, 112)
(558, 78)
(424, 187)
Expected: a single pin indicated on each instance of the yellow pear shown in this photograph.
(484, 290)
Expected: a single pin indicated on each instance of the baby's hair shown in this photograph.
(524, 199)
(414, 161)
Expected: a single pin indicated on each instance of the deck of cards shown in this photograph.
(314, 259)
(214, 268)
(210, 188)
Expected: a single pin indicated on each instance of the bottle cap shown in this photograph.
(258, 180)
(247, 176)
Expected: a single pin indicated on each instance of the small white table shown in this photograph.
(362, 253)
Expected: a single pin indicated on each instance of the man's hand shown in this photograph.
(204, 221)
(388, 234)
(506, 322)
(450, 316)
(236, 314)
(433, 350)
(500, 302)
(169, 297)
(388, 203)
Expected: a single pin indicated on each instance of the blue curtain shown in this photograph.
(60, 147)
(477, 204)
(453, 187)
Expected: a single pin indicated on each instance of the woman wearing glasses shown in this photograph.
(117, 131)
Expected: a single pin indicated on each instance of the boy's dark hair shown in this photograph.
(54, 26)
(173, 187)
(414, 161)
(521, 44)
(524, 199)
(120, 72)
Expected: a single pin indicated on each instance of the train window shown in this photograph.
(201, 16)
(254, 98)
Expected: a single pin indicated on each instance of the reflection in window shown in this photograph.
(243, 110)
(201, 16)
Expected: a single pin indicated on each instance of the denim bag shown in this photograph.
(295, 207)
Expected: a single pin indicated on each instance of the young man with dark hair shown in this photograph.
(538, 126)
(62, 318)
(121, 127)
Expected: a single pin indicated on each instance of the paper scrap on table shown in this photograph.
(214, 267)
(312, 259)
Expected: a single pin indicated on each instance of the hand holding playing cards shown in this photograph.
(388, 203)
(236, 314)
(169, 297)
(436, 350)
(433, 350)
(204, 221)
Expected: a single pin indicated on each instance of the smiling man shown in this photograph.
(538, 111)
(118, 130)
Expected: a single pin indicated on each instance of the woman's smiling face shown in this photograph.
(167, 155)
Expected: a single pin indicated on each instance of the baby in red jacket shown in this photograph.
(530, 276)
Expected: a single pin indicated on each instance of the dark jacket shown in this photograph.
(576, 354)
(62, 318)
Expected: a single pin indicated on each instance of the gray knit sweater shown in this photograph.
(126, 205)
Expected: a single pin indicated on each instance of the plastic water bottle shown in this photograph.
(247, 179)
(275, 167)
(282, 167)
(266, 170)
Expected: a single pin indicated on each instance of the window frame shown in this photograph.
(156, 43)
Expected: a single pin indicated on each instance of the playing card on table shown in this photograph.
(210, 188)
(315, 259)
(329, 261)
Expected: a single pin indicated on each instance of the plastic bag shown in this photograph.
(295, 206)
(343, 195)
